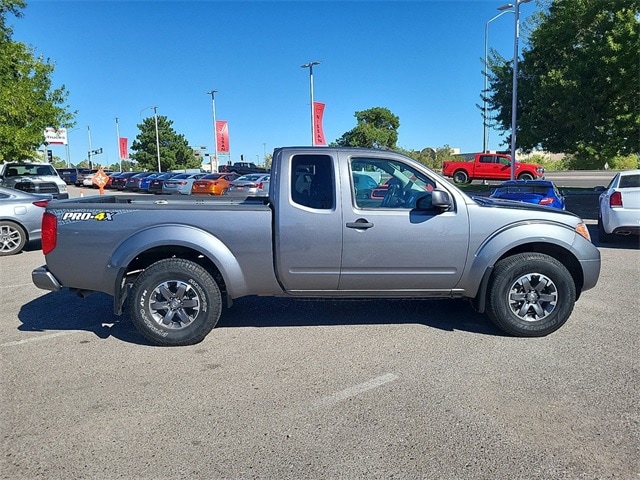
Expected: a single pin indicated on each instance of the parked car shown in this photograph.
(33, 177)
(539, 192)
(20, 219)
(119, 181)
(146, 181)
(133, 182)
(181, 183)
(69, 175)
(155, 184)
(252, 185)
(213, 184)
(619, 207)
(84, 173)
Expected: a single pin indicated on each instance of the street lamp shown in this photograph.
(67, 145)
(514, 94)
(215, 136)
(155, 115)
(310, 67)
(485, 137)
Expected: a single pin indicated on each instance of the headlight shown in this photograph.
(582, 230)
(62, 188)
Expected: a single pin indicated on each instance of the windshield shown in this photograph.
(27, 170)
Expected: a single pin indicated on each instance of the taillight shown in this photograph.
(49, 232)
(546, 201)
(182, 183)
(260, 185)
(41, 203)
(615, 200)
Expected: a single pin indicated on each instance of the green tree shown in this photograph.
(578, 88)
(376, 128)
(28, 103)
(175, 152)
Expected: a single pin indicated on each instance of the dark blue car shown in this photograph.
(540, 192)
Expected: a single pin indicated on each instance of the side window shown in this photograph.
(486, 159)
(502, 160)
(312, 181)
(381, 183)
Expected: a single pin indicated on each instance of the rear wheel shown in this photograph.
(530, 295)
(175, 302)
(460, 177)
(12, 238)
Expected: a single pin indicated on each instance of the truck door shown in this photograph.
(389, 246)
(308, 222)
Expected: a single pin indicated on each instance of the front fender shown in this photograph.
(168, 235)
(559, 240)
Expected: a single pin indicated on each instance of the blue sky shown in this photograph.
(419, 59)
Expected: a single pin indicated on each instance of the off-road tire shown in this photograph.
(530, 295)
(175, 302)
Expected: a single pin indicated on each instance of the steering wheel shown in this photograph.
(392, 197)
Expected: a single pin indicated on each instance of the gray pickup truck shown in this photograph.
(408, 233)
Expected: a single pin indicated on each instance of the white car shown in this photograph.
(619, 209)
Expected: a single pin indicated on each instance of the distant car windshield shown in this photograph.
(25, 170)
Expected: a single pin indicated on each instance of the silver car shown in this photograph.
(20, 219)
(619, 209)
(250, 185)
(181, 183)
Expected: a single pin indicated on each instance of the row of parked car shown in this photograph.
(187, 183)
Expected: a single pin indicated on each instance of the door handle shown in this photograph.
(361, 223)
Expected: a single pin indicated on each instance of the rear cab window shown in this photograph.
(313, 181)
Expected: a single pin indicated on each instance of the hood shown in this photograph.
(513, 204)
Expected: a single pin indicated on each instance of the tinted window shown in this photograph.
(312, 181)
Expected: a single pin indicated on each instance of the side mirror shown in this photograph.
(436, 200)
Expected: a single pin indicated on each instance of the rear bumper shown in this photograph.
(44, 279)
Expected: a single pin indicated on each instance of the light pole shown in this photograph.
(118, 143)
(215, 136)
(514, 94)
(155, 116)
(67, 145)
(485, 136)
(310, 67)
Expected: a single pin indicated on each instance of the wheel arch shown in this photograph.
(558, 243)
(151, 245)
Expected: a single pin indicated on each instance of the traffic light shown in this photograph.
(50, 156)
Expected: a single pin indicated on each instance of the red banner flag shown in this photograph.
(222, 136)
(124, 150)
(318, 133)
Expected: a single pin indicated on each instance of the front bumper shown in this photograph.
(44, 279)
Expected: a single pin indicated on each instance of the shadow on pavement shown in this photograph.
(64, 310)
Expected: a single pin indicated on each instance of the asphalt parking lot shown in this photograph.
(322, 389)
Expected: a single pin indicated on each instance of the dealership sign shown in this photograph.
(55, 136)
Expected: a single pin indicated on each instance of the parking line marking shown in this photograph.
(355, 390)
(40, 338)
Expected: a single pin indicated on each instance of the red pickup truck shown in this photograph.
(490, 166)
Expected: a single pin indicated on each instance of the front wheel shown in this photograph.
(175, 302)
(530, 295)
